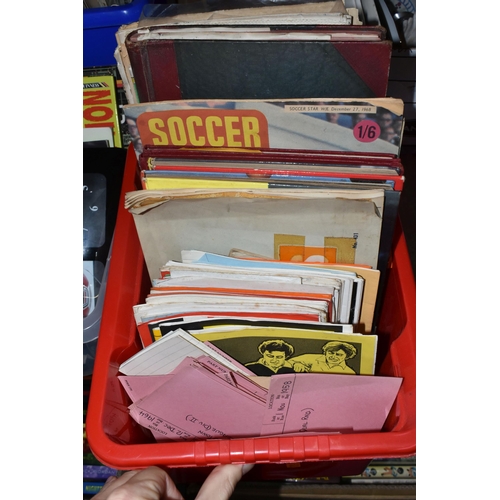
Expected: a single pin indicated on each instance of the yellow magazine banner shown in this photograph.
(100, 107)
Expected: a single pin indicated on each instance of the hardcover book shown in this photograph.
(309, 49)
(172, 69)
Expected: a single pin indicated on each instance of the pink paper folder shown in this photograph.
(316, 402)
(140, 386)
(202, 399)
(195, 403)
(234, 378)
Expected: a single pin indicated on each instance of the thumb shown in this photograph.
(222, 481)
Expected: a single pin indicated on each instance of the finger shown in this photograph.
(112, 483)
(105, 487)
(221, 482)
(152, 483)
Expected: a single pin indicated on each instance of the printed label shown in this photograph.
(366, 131)
(224, 128)
(324, 108)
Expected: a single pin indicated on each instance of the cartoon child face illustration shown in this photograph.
(335, 357)
(274, 359)
(333, 360)
(336, 353)
(274, 356)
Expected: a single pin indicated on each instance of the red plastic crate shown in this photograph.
(117, 441)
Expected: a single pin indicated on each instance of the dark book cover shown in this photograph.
(258, 69)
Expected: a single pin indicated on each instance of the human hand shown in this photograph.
(154, 483)
(222, 481)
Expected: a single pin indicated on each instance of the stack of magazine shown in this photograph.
(288, 180)
(268, 161)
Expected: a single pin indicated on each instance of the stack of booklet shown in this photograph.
(270, 179)
(208, 285)
(323, 171)
(246, 347)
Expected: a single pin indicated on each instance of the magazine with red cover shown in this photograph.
(158, 164)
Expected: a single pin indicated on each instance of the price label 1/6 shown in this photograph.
(366, 131)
